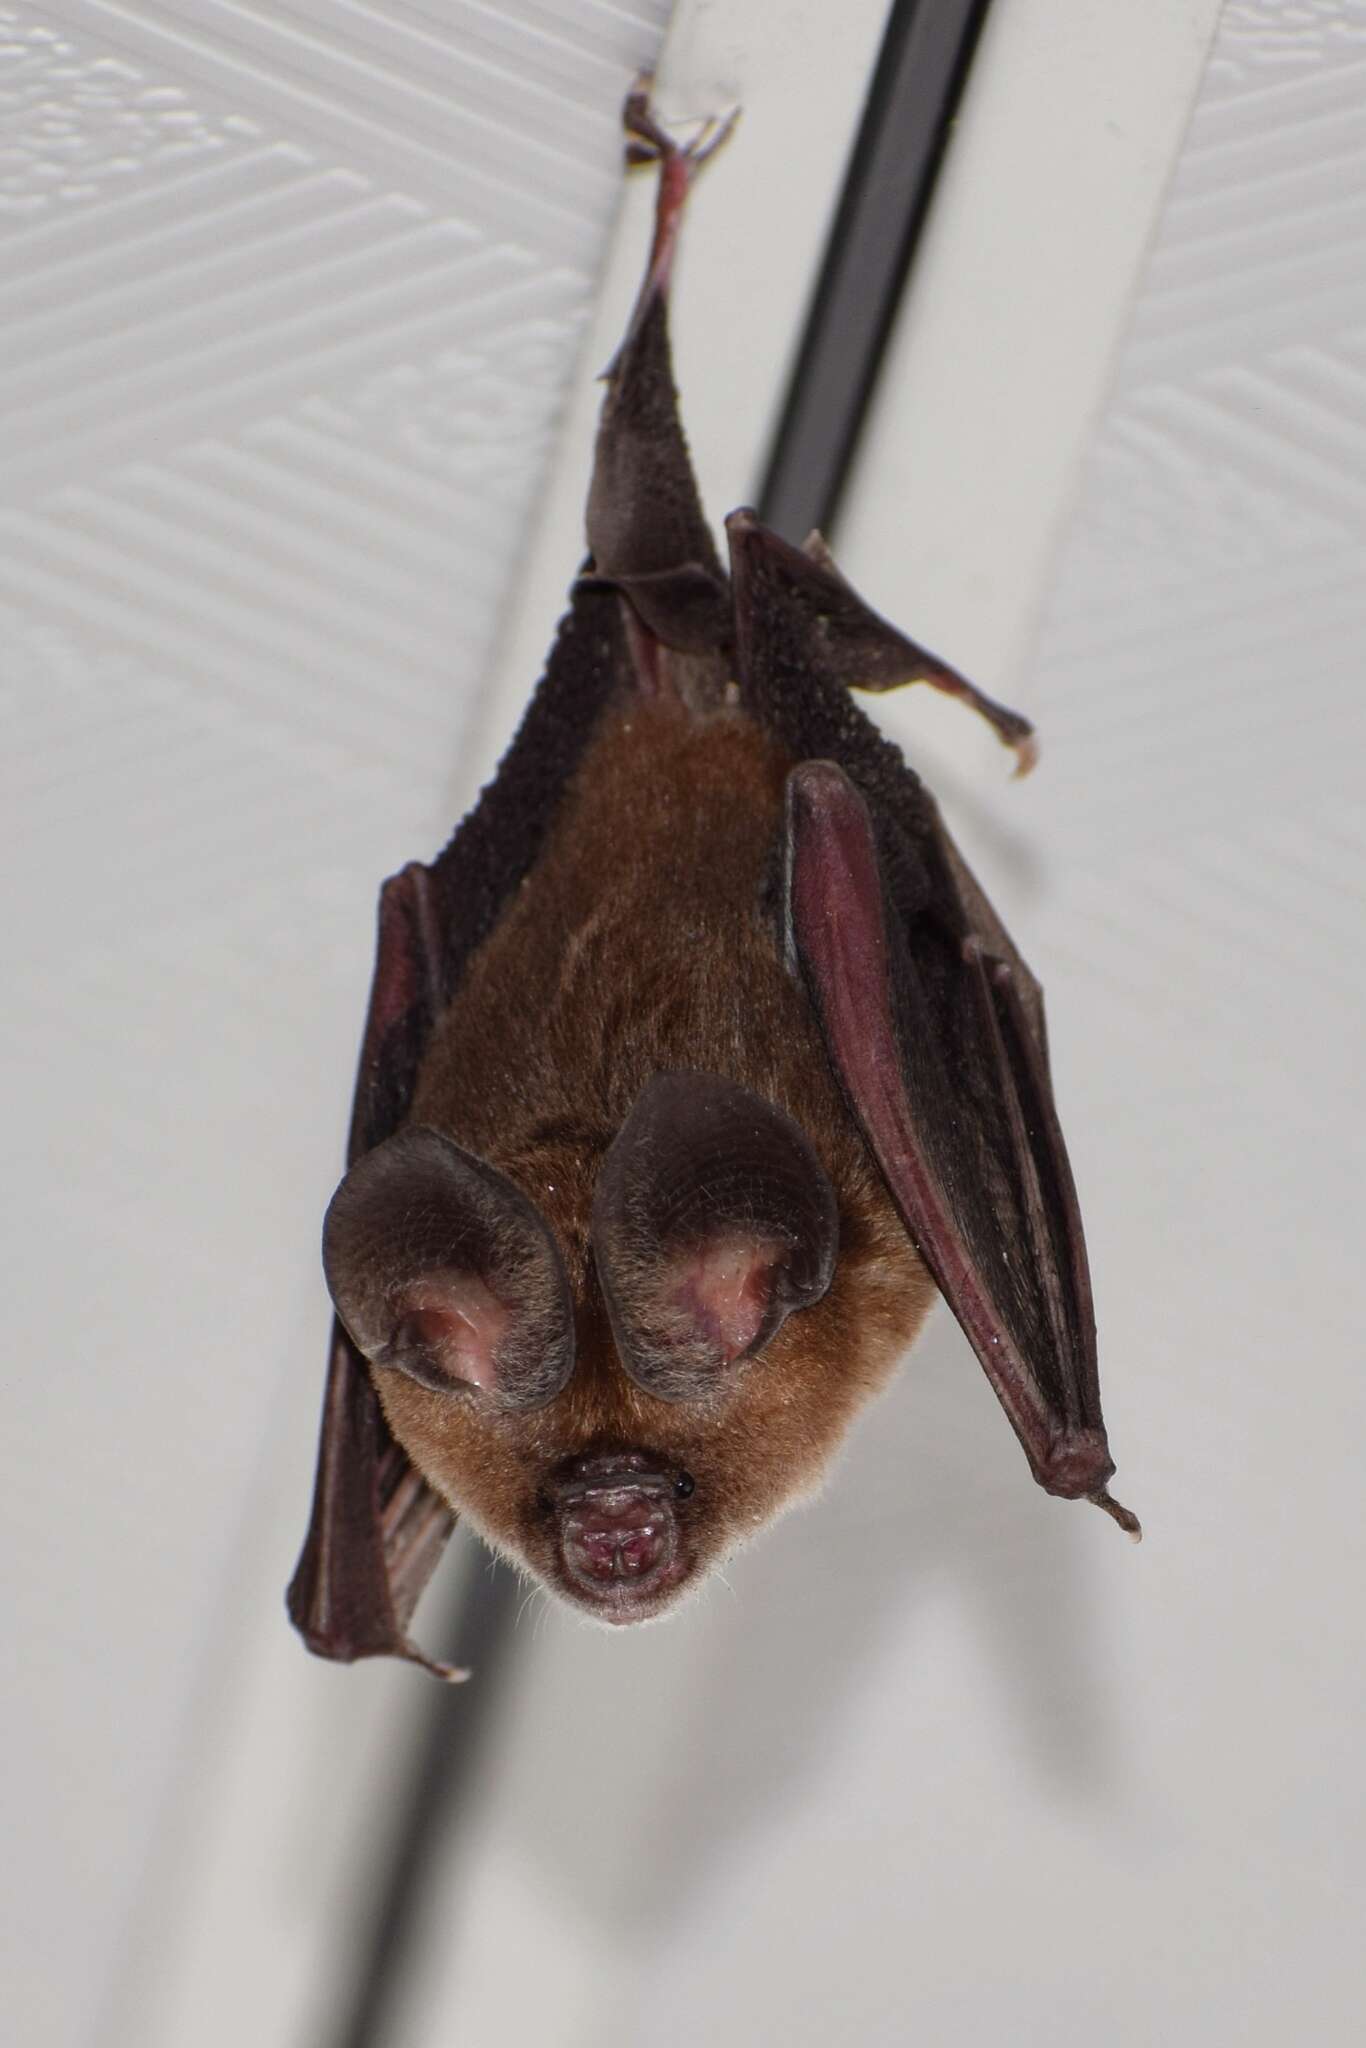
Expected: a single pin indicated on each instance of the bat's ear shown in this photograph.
(440, 1268)
(712, 1221)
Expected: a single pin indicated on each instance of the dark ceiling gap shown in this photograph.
(917, 82)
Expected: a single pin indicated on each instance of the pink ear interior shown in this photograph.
(458, 1322)
(725, 1286)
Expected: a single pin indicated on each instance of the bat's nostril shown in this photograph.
(611, 1555)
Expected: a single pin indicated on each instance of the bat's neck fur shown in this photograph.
(598, 976)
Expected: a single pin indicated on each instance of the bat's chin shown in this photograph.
(620, 1550)
(618, 1606)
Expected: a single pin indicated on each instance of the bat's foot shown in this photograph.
(679, 162)
(1128, 1521)
(648, 142)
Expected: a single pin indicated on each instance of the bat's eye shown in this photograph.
(684, 1486)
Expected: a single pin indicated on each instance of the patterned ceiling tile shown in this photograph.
(82, 124)
(1213, 571)
(291, 297)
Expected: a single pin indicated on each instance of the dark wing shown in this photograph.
(933, 1023)
(377, 1529)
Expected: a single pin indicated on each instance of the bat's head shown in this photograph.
(620, 1433)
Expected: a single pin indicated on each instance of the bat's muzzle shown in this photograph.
(619, 1536)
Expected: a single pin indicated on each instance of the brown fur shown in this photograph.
(637, 946)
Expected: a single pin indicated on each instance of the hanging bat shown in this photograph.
(693, 1065)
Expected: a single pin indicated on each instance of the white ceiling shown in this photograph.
(294, 301)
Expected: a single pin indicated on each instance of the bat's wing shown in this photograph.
(377, 1529)
(375, 1534)
(933, 1022)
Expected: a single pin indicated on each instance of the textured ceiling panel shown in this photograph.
(290, 296)
(1213, 578)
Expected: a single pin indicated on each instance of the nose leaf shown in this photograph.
(617, 1537)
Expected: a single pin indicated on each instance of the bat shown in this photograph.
(693, 1066)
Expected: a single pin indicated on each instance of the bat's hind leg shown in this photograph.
(647, 533)
(647, 142)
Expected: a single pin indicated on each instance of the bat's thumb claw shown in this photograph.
(1128, 1521)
